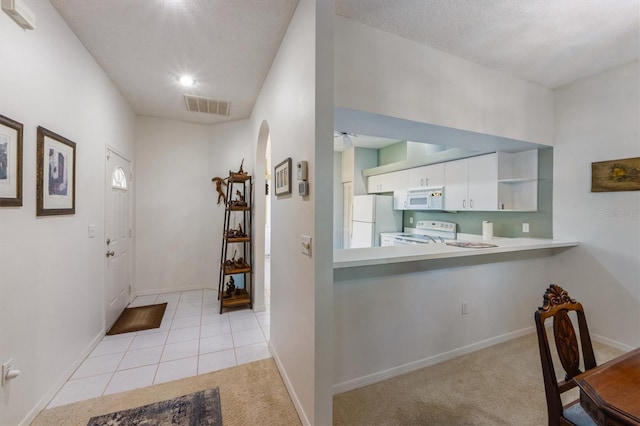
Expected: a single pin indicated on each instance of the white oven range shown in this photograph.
(425, 232)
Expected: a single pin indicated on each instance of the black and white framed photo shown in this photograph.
(56, 174)
(10, 162)
(282, 176)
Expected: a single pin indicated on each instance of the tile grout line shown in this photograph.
(169, 330)
(155, 374)
(199, 337)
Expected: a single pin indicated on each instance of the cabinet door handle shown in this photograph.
(464, 204)
(471, 203)
(426, 181)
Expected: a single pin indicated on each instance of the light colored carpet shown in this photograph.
(250, 394)
(500, 385)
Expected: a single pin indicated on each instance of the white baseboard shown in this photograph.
(259, 308)
(613, 343)
(287, 383)
(167, 290)
(426, 362)
(256, 308)
(53, 391)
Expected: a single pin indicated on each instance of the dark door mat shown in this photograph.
(139, 318)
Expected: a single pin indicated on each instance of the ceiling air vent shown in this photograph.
(210, 106)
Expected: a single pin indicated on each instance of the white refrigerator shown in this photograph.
(373, 214)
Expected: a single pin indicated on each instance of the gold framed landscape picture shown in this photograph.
(616, 175)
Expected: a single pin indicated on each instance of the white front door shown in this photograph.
(117, 235)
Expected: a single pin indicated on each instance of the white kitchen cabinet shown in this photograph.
(483, 178)
(472, 183)
(400, 199)
(456, 184)
(500, 181)
(387, 182)
(426, 176)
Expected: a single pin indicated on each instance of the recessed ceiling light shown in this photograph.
(186, 80)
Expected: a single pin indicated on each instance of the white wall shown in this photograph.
(363, 158)
(598, 119)
(51, 279)
(179, 223)
(297, 106)
(176, 214)
(391, 319)
(382, 73)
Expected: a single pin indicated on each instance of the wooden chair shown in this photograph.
(557, 304)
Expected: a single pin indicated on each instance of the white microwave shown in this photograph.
(425, 198)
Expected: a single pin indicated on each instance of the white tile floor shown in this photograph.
(192, 339)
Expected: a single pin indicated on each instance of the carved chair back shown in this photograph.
(556, 305)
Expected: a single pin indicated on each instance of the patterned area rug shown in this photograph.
(195, 409)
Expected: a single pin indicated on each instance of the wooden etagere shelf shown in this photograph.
(238, 239)
(236, 251)
(231, 271)
(242, 298)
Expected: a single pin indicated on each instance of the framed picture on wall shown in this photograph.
(10, 162)
(616, 175)
(282, 177)
(55, 175)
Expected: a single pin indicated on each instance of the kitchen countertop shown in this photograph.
(351, 258)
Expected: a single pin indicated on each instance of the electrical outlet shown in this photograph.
(410, 219)
(465, 307)
(525, 227)
(5, 369)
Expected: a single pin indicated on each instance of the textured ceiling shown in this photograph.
(228, 45)
(549, 42)
(144, 45)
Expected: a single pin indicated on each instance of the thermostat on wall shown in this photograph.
(303, 188)
(303, 170)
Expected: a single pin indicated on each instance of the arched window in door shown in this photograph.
(119, 179)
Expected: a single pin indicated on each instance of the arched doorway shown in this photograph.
(262, 222)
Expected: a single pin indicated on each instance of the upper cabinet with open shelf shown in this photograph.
(499, 181)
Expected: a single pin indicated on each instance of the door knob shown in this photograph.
(111, 253)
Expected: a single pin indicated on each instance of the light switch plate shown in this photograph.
(525, 227)
(305, 242)
(92, 231)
